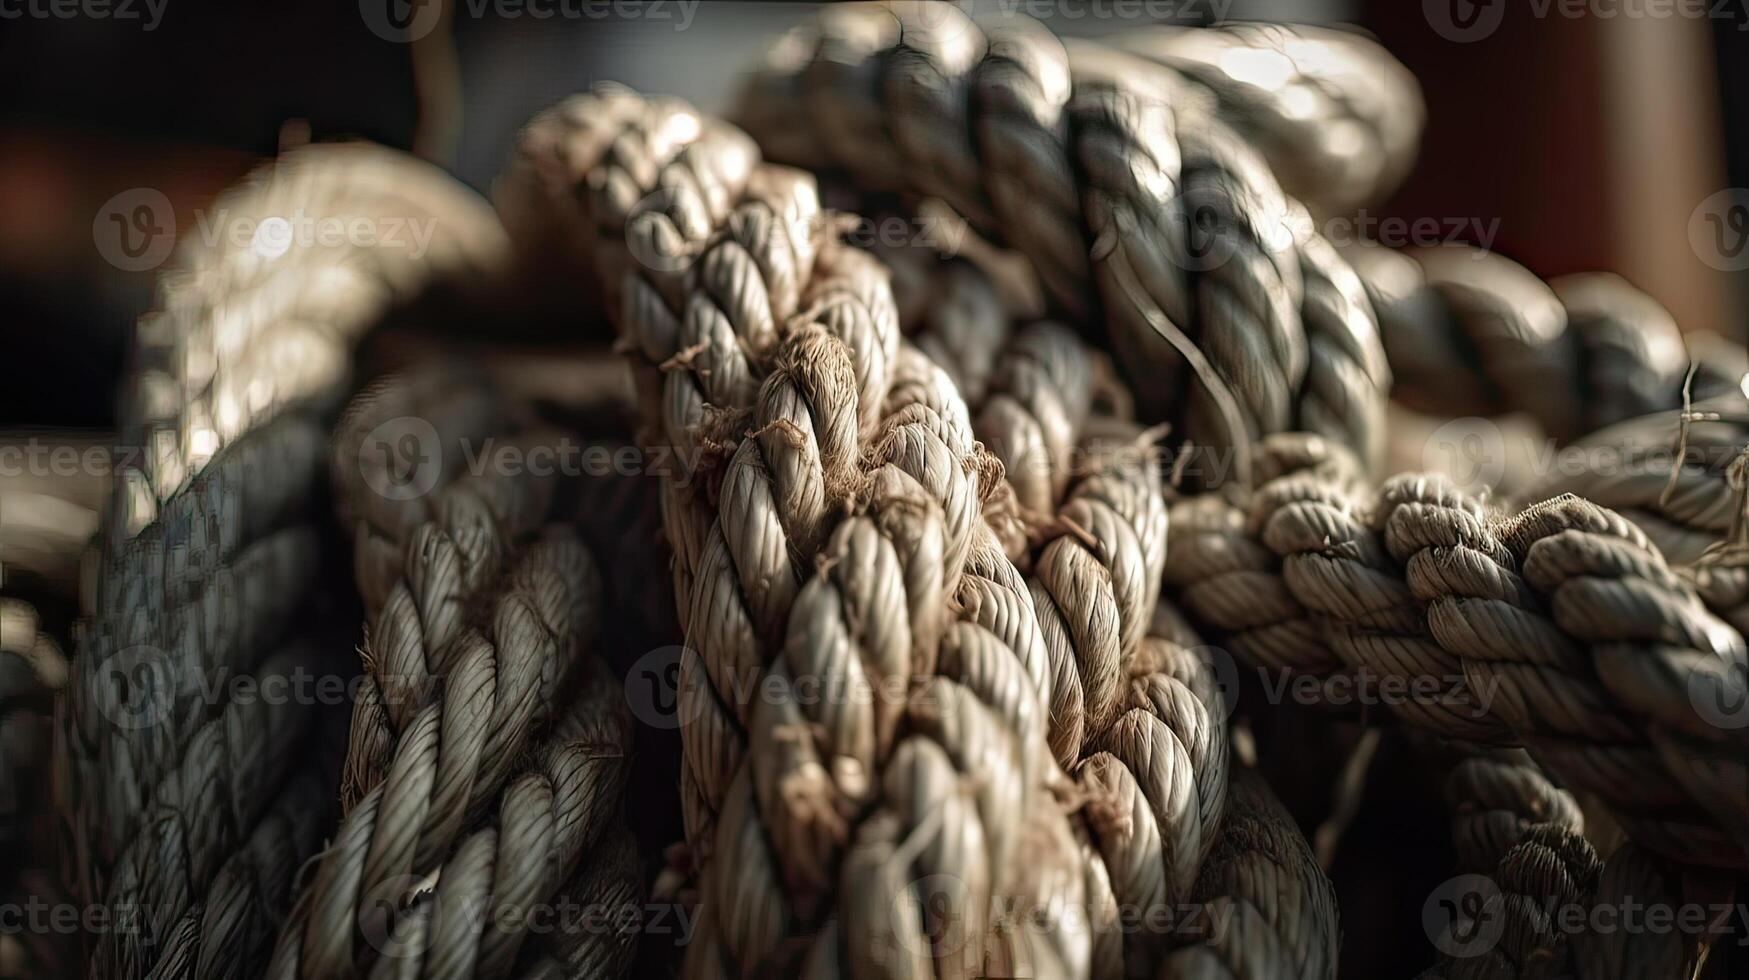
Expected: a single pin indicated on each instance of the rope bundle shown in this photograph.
(469, 657)
(210, 555)
(935, 718)
(827, 430)
(1123, 188)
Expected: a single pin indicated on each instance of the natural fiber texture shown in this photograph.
(490, 690)
(1107, 171)
(1471, 332)
(209, 556)
(472, 915)
(204, 810)
(1596, 656)
(1337, 117)
(1265, 910)
(1600, 658)
(837, 774)
(1231, 583)
(1628, 469)
(233, 927)
(1496, 797)
(478, 524)
(1337, 560)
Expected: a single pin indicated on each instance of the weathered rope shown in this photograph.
(1471, 332)
(1104, 170)
(1231, 583)
(1559, 651)
(827, 378)
(1622, 638)
(209, 551)
(1264, 909)
(490, 690)
(1628, 468)
(1338, 118)
(202, 811)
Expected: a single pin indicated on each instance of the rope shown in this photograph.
(32, 670)
(1338, 118)
(210, 553)
(1669, 473)
(1100, 167)
(1264, 908)
(466, 659)
(875, 611)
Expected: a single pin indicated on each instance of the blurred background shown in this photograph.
(1608, 134)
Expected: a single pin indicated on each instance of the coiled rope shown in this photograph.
(1121, 185)
(475, 647)
(210, 554)
(885, 574)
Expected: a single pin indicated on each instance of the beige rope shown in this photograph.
(1338, 118)
(918, 502)
(1100, 167)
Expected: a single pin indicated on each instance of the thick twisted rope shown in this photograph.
(1264, 908)
(1541, 912)
(1595, 655)
(1596, 632)
(477, 525)
(233, 927)
(1669, 473)
(1470, 332)
(1337, 117)
(493, 688)
(208, 553)
(825, 386)
(481, 906)
(197, 816)
(1098, 166)
(1232, 583)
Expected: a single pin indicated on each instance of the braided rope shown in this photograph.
(1338, 118)
(493, 688)
(1684, 513)
(1265, 909)
(918, 528)
(210, 552)
(1104, 169)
